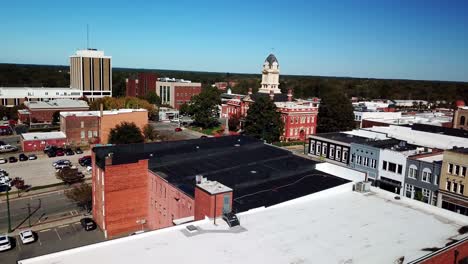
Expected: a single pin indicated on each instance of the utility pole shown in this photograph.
(29, 214)
(8, 210)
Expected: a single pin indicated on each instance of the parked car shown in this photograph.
(84, 161)
(5, 243)
(3, 161)
(69, 152)
(12, 159)
(59, 164)
(231, 219)
(32, 157)
(88, 224)
(49, 148)
(26, 237)
(3, 172)
(59, 152)
(51, 154)
(5, 180)
(178, 129)
(7, 148)
(78, 151)
(2, 143)
(23, 157)
(203, 136)
(89, 168)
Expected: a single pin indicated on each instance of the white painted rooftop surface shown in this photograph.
(341, 171)
(90, 53)
(43, 135)
(438, 157)
(367, 134)
(213, 187)
(421, 138)
(39, 92)
(106, 112)
(57, 103)
(333, 226)
(435, 119)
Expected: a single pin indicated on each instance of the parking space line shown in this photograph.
(62, 226)
(74, 228)
(18, 243)
(45, 230)
(39, 240)
(58, 234)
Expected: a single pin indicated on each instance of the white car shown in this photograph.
(26, 236)
(3, 161)
(5, 243)
(89, 169)
(5, 180)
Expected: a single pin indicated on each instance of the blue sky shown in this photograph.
(380, 39)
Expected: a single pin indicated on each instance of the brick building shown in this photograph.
(43, 111)
(175, 92)
(140, 86)
(94, 126)
(37, 141)
(156, 185)
(460, 118)
(299, 116)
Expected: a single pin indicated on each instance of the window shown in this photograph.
(312, 146)
(345, 155)
(332, 152)
(456, 170)
(82, 124)
(324, 150)
(463, 171)
(462, 121)
(462, 189)
(292, 120)
(447, 186)
(358, 159)
(450, 168)
(454, 187)
(366, 161)
(90, 134)
(426, 176)
(95, 133)
(384, 165)
(373, 163)
(409, 189)
(82, 134)
(338, 154)
(392, 167)
(413, 172)
(317, 151)
(426, 194)
(400, 169)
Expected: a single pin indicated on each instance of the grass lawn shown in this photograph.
(206, 131)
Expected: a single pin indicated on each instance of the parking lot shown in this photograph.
(50, 241)
(39, 172)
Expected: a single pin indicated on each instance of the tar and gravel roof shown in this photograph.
(259, 174)
(333, 226)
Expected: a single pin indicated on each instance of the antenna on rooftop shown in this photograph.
(87, 36)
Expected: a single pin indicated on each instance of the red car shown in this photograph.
(178, 129)
(59, 152)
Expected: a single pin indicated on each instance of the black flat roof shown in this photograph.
(460, 150)
(259, 174)
(343, 137)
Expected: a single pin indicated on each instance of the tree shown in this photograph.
(82, 194)
(153, 98)
(184, 109)
(336, 113)
(204, 107)
(264, 121)
(69, 175)
(233, 123)
(148, 132)
(126, 133)
(56, 118)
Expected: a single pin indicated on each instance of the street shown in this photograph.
(43, 207)
(167, 130)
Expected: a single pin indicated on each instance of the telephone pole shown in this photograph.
(8, 209)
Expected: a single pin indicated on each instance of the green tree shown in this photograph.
(204, 107)
(81, 194)
(153, 98)
(335, 113)
(264, 121)
(184, 109)
(148, 132)
(126, 133)
(56, 118)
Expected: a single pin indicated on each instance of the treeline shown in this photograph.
(303, 86)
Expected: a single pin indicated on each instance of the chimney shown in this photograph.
(289, 95)
(250, 91)
(272, 95)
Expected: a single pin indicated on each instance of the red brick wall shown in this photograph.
(166, 203)
(146, 83)
(45, 115)
(183, 94)
(71, 126)
(205, 204)
(39, 145)
(131, 87)
(367, 123)
(449, 256)
(300, 123)
(125, 197)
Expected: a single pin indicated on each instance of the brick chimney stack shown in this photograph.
(290, 95)
(250, 91)
(272, 95)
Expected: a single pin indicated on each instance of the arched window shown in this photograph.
(462, 120)
(413, 171)
(426, 175)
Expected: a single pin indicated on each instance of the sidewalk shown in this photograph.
(51, 224)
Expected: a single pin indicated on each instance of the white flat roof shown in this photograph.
(333, 226)
(43, 135)
(106, 112)
(57, 103)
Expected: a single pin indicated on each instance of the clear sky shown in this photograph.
(411, 39)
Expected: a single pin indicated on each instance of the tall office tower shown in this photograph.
(91, 72)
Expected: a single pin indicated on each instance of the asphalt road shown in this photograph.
(168, 130)
(51, 240)
(43, 207)
(38, 172)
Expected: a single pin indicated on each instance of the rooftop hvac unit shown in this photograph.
(362, 187)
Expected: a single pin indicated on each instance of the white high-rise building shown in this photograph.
(270, 76)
